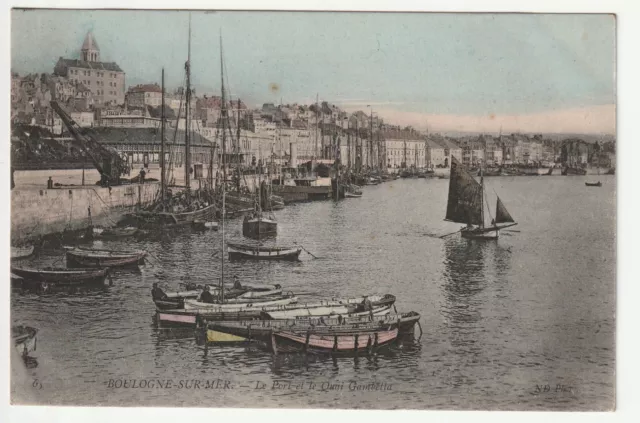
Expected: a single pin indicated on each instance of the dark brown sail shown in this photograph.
(465, 196)
(502, 215)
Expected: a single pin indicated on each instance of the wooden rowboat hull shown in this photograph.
(341, 343)
(61, 276)
(261, 330)
(286, 255)
(87, 259)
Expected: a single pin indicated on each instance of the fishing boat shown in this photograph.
(84, 257)
(332, 341)
(593, 184)
(61, 276)
(572, 171)
(18, 253)
(466, 205)
(24, 339)
(261, 330)
(257, 226)
(256, 252)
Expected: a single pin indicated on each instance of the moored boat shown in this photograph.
(250, 252)
(327, 341)
(593, 184)
(257, 226)
(374, 304)
(114, 233)
(18, 253)
(84, 257)
(61, 276)
(24, 339)
(261, 329)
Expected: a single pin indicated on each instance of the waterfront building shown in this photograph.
(143, 95)
(404, 149)
(105, 80)
(435, 155)
(451, 149)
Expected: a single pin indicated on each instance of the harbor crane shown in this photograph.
(106, 160)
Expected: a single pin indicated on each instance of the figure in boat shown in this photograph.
(466, 204)
(206, 296)
(157, 293)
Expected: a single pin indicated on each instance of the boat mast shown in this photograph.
(162, 175)
(482, 198)
(187, 136)
(370, 158)
(224, 167)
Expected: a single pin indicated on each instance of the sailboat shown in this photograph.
(466, 205)
(256, 224)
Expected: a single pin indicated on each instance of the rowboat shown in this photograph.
(261, 330)
(230, 305)
(328, 341)
(175, 300)
(24, 339)
(18, 253)
(81, 257)
(61, 276)
(593, 184)
(250, 252)
(374, 304)
(114, 233)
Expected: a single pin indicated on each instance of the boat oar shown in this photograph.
(452, 233)
(307, 251)
(510, 230)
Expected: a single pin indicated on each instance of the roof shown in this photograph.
(64, 64)
(144, 88)
(448, 144)
(156, 112)
(433, 144)
(90, 42)
(402, 135)
(143, 136)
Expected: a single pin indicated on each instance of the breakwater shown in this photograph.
(39, 212)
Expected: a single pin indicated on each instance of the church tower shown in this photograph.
(90, 51)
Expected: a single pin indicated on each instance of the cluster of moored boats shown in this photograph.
(266, 314)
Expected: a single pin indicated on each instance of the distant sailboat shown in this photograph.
(466, 205)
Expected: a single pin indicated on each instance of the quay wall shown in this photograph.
(37, 212)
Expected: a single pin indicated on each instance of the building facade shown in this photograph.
(105, 80)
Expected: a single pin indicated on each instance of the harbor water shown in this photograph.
(526, 322)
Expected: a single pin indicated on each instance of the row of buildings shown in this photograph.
(95, 95)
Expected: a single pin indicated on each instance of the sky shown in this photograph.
(447, 72)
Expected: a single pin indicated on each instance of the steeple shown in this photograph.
(90, 50)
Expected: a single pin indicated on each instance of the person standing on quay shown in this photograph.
(142, 175)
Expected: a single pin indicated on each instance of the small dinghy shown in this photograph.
(334, 341)
(24, 339)
(255, 252)
(18, 253)
(114, 233)
(175, 300)
(81, 257)
(593, 184)
(61, 276)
